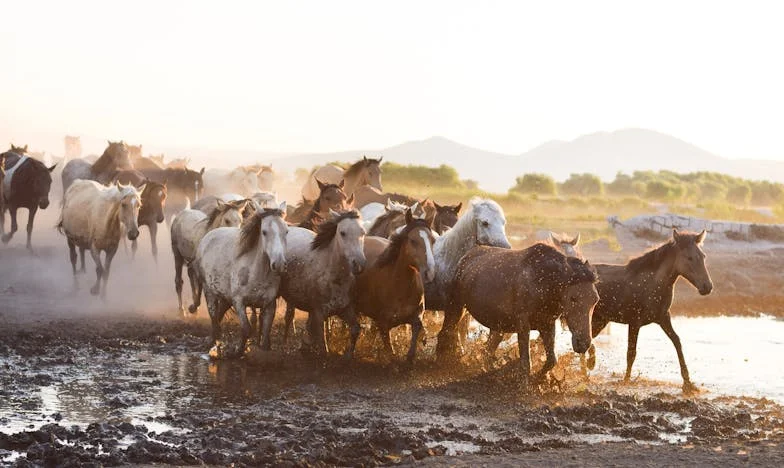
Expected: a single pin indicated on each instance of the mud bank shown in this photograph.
(115, 390)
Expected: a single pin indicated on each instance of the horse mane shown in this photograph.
(221, 209)
(384, 218)
(359, 165)
(652, 259)
(392, 252)
(107, 159)
(326, 231)
(251, 230)
(555, 268)
(114, 211)
(582, 271)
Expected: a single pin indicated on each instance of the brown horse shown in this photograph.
(446, 216)
(297, 214)
(25, 183)
(391, 290)
(642, 291)
(363, 172)
(519, 291)
(331, 197)
(151, 212)
(115, 157)
(365, 194)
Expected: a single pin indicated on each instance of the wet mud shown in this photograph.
(114, 390)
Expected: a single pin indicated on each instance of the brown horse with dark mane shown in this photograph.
(519, 291)
(25, 184)
(391, 289)
(331, 197)
(642, 291)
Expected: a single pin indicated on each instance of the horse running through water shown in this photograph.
(242, 267)
(363, 172)
(642, 291)
(116, 157)
(519, 291)
(321, 273)
(25, 184)
(187, 230)
(390, 290)
(93, 217)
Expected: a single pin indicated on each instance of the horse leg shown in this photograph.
(389, 353)
(72, 255)
(83, 269)
(548, 339)
(239, 307)
(153, 235)
(30, 219)
(523, 345)
(178, 262)
(289, 319)
(96, 253)
(493, 341)
(631, 350)
(447, 346)
(596, 328)
(666, 325)
(134, 248)
(416, 329)
(268, 317)
(349, 316)
(316, 329)
(216, 308)
(107, 266)
(196, 288)
(7, 237)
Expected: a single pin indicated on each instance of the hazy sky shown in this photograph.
(328, 75)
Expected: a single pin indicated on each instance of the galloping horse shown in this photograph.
(187, 230)
(93, 217)
(519, 291)
(642, 291)
(115, 157)
(321, 273)
(363, 172)
(391, 290)
(242, 267)
(25, 184)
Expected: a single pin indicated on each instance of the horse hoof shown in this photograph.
(193, 308)
(689, 388)
(590, 363)
(94, 291)
(6, 239)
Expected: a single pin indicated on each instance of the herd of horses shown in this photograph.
(351, 250)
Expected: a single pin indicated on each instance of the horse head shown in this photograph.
(690, 260)
(577, 301)
(489, 222)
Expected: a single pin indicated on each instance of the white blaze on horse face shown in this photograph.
(274, 242)
(430, 272)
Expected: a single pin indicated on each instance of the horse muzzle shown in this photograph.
(706, 289)
(580, 345)
(133, 234)
(278, 266)
(43, 203)
(160, 218)
(357, 266)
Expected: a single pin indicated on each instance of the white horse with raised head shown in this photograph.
(242, 267)
(187, 230)
(321, 274)
(95, 217)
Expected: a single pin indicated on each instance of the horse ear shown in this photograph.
(52, 168)
(409, 216)
(438, 207)
(342, 183)
(675, 233)
(576, 240)
(380, 159)
(388, 206)
(221, 203)
(201, 171)
(458, 207)
(25, 148)
(321, 185)
(364, 158)
(350, 201)
(701, 237)
(140, 189)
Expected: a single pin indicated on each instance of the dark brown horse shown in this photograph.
(25, 184)
(331, 197)
(391, 290)
(642, 291)
(446, 217)
(185, 187)
(519, 291)
(151, 212)
(115, 157)
(297, 214)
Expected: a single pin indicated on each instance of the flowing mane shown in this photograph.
(250, 231)
(326, 231)
(358, 166)
(392, 252)
(652, 259)
(221, 209)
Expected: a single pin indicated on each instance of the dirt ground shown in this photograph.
(127, 380)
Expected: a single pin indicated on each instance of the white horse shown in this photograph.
(242, 267)
(93, 218)
(321, 274)
(239, 180)
(482, 224)
(187, 230)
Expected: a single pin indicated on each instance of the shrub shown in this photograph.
(541, 184)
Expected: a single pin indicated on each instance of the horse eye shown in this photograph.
(485, 224)
(264, 233)
(343, 234)
(691, 258)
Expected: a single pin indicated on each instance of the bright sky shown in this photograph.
(334, 75)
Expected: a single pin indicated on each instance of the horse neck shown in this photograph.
(336, 262)
(351, 182)
(453, 244)
(113, 224)
(664, 274)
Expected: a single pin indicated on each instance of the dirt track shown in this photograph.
(127, 381)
